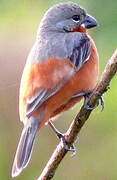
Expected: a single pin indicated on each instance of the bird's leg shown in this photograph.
(86, 95)
(62, 137)
(58, 133)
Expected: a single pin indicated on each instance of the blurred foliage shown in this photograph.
(97, 147)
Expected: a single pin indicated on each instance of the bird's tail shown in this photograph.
(25, 146)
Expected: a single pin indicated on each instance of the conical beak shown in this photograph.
(90, 22)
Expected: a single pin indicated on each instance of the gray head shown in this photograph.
(66, 17)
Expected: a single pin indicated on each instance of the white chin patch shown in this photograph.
(82, 25)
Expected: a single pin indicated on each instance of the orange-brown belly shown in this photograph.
(84, 79)
(43, 76)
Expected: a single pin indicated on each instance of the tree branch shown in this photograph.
(75, 127)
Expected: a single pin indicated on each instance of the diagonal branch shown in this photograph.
(75, 127)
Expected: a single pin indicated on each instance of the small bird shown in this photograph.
(61, 69)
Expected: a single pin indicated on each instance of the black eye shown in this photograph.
(76, 18)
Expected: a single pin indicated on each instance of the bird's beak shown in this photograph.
(89, 22)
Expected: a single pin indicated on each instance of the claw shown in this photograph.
(62, 137)
(101, 101)
(67, 147)
(86, 106)
(86, 95)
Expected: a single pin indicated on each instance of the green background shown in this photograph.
(97, 146)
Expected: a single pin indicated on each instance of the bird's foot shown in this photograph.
(61, 136)
(70, 148)
(86, 95)
(100, 101)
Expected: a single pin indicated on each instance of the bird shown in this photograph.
(62, 68)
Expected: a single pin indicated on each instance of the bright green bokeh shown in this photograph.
(97, 147)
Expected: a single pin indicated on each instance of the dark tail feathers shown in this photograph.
(25, 146)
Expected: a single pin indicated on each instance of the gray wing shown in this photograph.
(81, 50)
(78, 54)
(37, 100)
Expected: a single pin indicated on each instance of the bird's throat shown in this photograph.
(80, 29)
